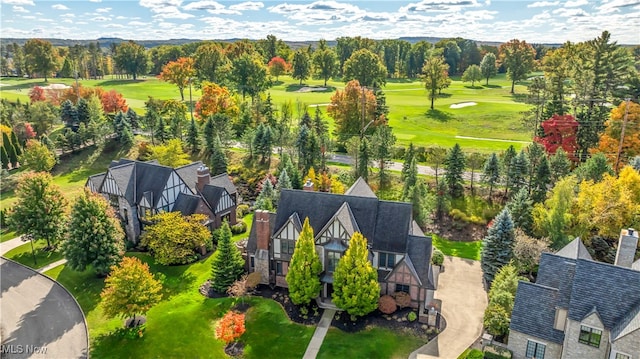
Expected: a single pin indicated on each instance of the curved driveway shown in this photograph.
(40, 319)
(463, 302)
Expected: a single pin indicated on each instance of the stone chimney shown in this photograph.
(626, 247)
(263, 231)
(308, 186)
(204, 177)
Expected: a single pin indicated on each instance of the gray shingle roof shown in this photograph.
(534, 311)
(557, 272)
(574, 250)
(186, 204)
(629, 324)
(360, 188)
(189, 174)
(223, 180)
(95, 181)
(419, 252)
(212, 195)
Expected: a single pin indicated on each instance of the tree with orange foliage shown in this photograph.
(278, 66)
(37, 94)
(230, 327)
(560, 131)
(347, 107)
(215, 99)
(610, 139)
(112, 102)
(179, 73)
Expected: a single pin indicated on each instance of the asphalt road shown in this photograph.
(40, 319)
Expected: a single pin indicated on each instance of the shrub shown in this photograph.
(239, 227)
(475, 354)
(242, 210)
(230, 327)
(412, 316)
(403, 299)
(437, 258)
(144, 151)
(421, 154)
(398, 152)
(387, 304)
(461, 216)
(496, 352)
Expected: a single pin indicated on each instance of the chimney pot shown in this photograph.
(627, 245)
(204, 177)
(308, 186)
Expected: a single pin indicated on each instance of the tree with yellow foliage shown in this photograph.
(610, 139)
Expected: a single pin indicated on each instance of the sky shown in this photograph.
(481, 20)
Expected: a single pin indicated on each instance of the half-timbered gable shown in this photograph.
(284, 240)
(225, 203)
(173, 187)
(109, 186)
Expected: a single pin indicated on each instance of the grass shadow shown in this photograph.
(492, 86)
(519, 97)
(474, 87)
(439, 115)
(277, 83)
(85, 286)
(400, 81)
(297, 87)
(444, 95)
(120, 82)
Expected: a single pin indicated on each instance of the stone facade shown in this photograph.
(573, 349)
(518, 345)
(629, 345)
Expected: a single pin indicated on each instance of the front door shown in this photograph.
(329, 291)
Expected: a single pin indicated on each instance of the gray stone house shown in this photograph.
(399, 250)
(579, 308)
(137, 190)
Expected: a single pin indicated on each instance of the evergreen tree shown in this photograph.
(218, 159)
(518, 173)
(227, 263)
(94, 235)
(560, 165)
(521, 209)
(122, 128)
(284, 182)
(382, 110)
(507, 156)
(541, 181)
(266, 197)
(193, 137)
(263, 143)
(421, 202)
(383, 141)
(411, 178)
(11, 151)
(355, 281)
(82, 108)
(161, 131)
(69, 114)
(408, 157)
(442, 200)
(635, 163)
(17, 146)
(455, 163)
(593, 169)
(497, 249)
(363, 160)
(308, 147)
(4, 158)
(491, 173)
(133, 119)
(304, 269)
(209, 133)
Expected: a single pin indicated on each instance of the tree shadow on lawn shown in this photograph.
(474, 87)
(120, 82)
(438, 115)
(175, 279)
(400, 81)
(518, 97)
(318, 88)
(492, 86)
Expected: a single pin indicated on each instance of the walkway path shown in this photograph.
(318, 335)
(11, 244)
(463, 302)
(51, 265)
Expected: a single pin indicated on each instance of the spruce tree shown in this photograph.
(193, 137)
(82, 108)
(284, 182)
(497, 249)
(132, 117)
(355, 281)
(304, 269)
(518, 173)
(559, 165)
(383, 141)
(218, 159)
(209, 133)
(521, 209)
(491, 173)
(455, 163)
(535, 154)
(227, 265)
(69, 114)
(507, 156)
(94, 235)
(161, 132)
(363, 160)
(266, 197)
(408, 157)
(541, 181)
(411, 178)
(4, 158)
(442, 200)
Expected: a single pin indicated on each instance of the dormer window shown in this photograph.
(590, 336)
(386, 260)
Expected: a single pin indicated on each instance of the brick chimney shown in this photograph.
(263, 231)
(308, 186)
(626, 247)
(204, 177)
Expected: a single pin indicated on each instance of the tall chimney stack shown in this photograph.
(263, 229)
(626, 247)
(204, 177)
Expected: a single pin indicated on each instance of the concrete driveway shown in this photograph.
(40, 319)
(463, 303)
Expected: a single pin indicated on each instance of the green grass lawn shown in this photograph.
(248, 219)
(7, 235)
(468, 250)
(23, 254)
(371, 343)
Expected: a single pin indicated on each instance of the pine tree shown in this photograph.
(442, 200)
(497, 249)
(535, 154)
(363, 160)
(541, 181)
(94, 235)
(82, 108)
(4, 158)
(383, 141)
(266, 197)
(518, 173)
(227, 262)
(284, 182)
(411, 178)
(455, 168)
(560, 165)
(193, 137)
(491, 173)
(209, 133)
(161, 132)
(593, 169)
(421, 202)
(507, 156)
(304, 269)
(521, 209)
(132, 117)
(218, 159)
(69, 114)
(355, 281)
(408, 157)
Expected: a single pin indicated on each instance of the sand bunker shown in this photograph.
(312, 89)
(462, 104)
(56, 87)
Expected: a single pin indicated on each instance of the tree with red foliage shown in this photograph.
(179, 73)
(215, 99)
(230, 327)
(560, 131)
(278, 66)
(37, 94)
(112, 102)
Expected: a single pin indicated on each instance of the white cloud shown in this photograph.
(59, 7)
(101, 19)
(44, 20)
(576, 3)
(617, 5)
(68, 15)
(18, 2)
(224, 12)
(563, 12)
(544, 4)
(204, 5)
(67, 21)
(103, 10)
(95, 0)
(165, 9)
(20, 9)
(137, 23)
(439, 5)
(319, 12)
(247, 6)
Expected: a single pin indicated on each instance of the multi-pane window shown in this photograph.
(402, 288)
(113, 201)
(279, 268)
(535, 350)
(622, 356)
(590, 336)
(386, 260)
(332, 261)
(287, 246)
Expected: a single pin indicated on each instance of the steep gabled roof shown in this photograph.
(212, 195)
(189, 174)
(557, 272)
(186, 204)
(95, 182)
(629, 324)
(295, 220)
(346, 219)
(534, 312)
(419, 254)
(393, 222)
(361, 189)
(223, 180)
(575, 250)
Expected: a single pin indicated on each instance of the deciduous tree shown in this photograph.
(473, 74)
(112, 102)
(488, 66)
(230, 327)
(347, 110)
(610, 139)
(435, 74)
(131, 57)
(37, 157)
(300, 65)
(304, 269)
(518, 58)
(179, 73)
(559, 132)
(527, 251)
(40, 58)
(325, 64)
(278, 66)
(552, 219)
(94, 235)
(249, 75)
(170, 154)
(211, 63)
(366, 67)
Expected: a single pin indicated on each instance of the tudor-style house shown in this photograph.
(138, 190)
(399, 250)
(579, 308)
